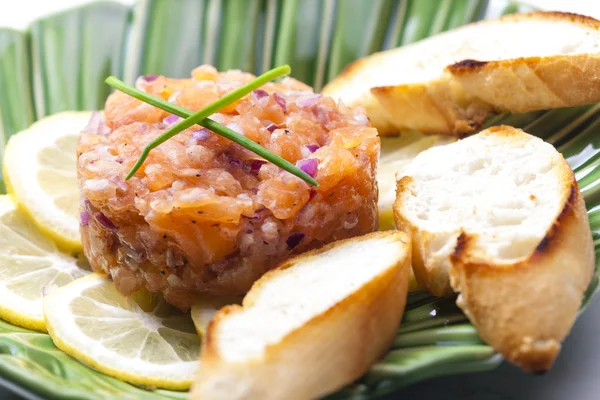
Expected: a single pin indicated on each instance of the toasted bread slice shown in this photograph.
(498, 218)
(391, 163)
(312, 325)
(448, 84)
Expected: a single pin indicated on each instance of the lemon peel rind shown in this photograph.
(18, 173)
(56, 326)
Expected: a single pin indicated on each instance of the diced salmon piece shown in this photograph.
(204, 214)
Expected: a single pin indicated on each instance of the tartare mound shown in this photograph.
(204, 214)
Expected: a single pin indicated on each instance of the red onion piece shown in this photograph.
(294, 239)
(97, 124)
(171, 119)
(149, 78)
(104, 221)
(306, 102)
(309, 166)
(201, 134)
(235, 162)
(309, 149)
(281, 101)
(254, 166)
(259, 93)
(271, 128)
(85, 218)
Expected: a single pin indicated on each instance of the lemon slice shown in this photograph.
(205, 308)
(40, 172)
(94, 323)
(29, 262)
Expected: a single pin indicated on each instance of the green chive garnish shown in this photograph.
(201, 118)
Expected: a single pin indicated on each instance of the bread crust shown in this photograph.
(459, 101)
(428, 275)
(532, 83)
(330, 351)
(524, 309)
(438, 107)
(526, 323)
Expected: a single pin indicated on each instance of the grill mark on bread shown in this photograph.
(466, 65)
(461, 245)
(544, 244)
(461, 254)
(461, 250)
(568, 209)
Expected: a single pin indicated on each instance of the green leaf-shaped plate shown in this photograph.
(59, 63)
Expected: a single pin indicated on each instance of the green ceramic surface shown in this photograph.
(59, 63)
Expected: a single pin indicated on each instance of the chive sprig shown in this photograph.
(201, 118)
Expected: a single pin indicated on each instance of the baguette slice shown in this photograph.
(391, 164)
(448, 84)
(498, 218)
(311, 326)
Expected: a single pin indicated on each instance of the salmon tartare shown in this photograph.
(206, 215)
